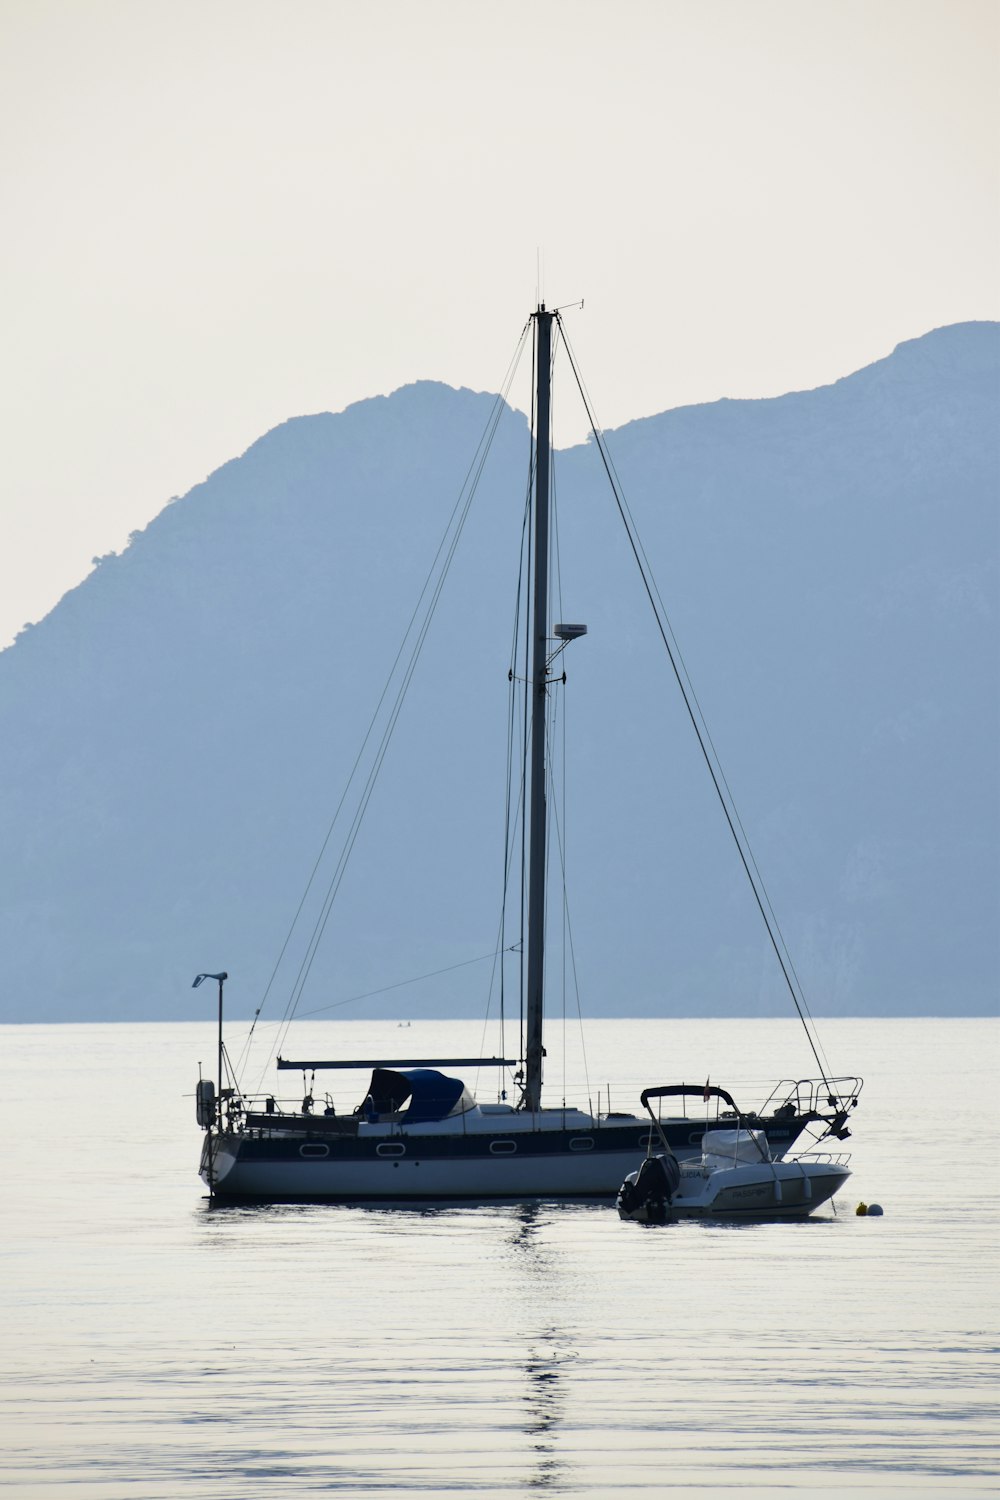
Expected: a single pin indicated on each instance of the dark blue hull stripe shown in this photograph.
(684, 1139)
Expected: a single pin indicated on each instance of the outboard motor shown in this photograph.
(647, 1193)
(205, 1103)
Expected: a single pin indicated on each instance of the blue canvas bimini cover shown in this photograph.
(432, 1095)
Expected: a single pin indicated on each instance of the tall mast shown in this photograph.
(539, 655)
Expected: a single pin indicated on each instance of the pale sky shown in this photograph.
(223, 213)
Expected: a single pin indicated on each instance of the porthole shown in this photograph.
(503, 1148)
(314, 1150)
(581, 1143)
(695, 1138)
(390, 1148)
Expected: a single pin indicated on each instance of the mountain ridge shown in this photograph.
(169, 726)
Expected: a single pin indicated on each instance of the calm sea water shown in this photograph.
(155, 1347)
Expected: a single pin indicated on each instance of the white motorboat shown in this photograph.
(736, 1178)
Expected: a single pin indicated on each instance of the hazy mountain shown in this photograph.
(175, 735)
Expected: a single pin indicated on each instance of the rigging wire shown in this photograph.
(400, 984)
(567, 922)
(369, 787)
(384, 989)
(502, 947)
(556, 732)
(510, 815)
(558, 723)
(511, 736)
(526, 704)
(700, 727)
(433, 585)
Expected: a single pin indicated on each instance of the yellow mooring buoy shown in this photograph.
(861, 1209)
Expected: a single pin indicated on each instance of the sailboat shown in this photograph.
(418, 1132)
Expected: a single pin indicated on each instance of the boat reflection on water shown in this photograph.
(549, 1350)
(396, 1252)
(544, 1400)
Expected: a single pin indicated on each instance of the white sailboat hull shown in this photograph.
(577, 1162)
